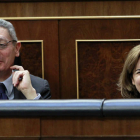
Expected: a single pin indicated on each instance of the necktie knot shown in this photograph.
(2, 91)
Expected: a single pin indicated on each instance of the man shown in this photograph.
(29, 86)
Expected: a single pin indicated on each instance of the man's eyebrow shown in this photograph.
(3, 38)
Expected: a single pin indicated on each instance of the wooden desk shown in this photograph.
(67, 128)
(70, 119)
(20, 128)
(87, 128)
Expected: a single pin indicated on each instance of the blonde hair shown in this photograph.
(128, 90)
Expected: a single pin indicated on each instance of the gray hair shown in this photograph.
(9, 27)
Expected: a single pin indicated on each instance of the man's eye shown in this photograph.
(2, 46)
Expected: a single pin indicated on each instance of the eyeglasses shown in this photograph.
(4, 43)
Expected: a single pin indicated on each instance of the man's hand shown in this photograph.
(24, 85)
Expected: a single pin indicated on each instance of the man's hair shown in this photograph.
(7, 25)
(128, 90)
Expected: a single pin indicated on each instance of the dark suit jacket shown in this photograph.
(40, 85)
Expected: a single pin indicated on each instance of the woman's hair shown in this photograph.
(128, 90)
(9, 27)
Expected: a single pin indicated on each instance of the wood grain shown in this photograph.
(19, 138)
(91, 127)
(48, 32)
(100, 65)
(71, 8)
(19, 127)
(92, 138)
(71, 30)
(31, 57)
(59, 48)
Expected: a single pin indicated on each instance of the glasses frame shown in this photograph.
(3, 46)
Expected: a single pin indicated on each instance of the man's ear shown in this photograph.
(18, 46)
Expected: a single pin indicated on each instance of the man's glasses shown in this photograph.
(4, 43)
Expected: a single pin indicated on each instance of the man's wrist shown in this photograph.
(30, 93)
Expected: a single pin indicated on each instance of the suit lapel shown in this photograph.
(18, 94)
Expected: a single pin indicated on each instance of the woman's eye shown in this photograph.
(138, 72)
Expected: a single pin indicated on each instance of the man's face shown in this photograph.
(7, 55)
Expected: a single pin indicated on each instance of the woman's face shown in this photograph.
(136, 76)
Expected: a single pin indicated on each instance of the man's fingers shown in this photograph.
(16, 76)
(20, 68)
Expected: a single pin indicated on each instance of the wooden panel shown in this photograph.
(31, 57)
(48, 32)
(70, 30)
(19, 138)
(19, 127)
(100, 65)
(50, 0)
(92, 138)
(91, 127)
(83, 8)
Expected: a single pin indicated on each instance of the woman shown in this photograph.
(129, 81)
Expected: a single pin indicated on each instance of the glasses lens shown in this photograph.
(3, 41)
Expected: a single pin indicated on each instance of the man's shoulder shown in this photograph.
(37, 81)
(41, 86)
(33, 77)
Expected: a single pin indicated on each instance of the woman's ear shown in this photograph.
(17, 49)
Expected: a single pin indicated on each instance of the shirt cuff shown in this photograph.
(38, 96)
